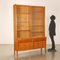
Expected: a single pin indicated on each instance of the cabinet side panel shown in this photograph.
(15, 24)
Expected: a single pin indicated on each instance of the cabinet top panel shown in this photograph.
(29, 6)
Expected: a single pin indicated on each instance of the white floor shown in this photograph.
(7, 53)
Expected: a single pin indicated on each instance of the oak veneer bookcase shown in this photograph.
(29, 27)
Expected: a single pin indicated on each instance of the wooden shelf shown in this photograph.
(37, 25)
(22, 30)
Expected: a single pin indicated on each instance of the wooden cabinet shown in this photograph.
(29, 27)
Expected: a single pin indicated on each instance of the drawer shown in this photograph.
(25, 46)
(37, 44)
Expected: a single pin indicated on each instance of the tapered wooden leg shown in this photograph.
(14, 52)
(17, 54)
(45, 50)
(41, 50)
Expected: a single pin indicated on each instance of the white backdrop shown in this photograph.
(6, 18)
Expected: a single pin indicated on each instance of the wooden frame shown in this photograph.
(29, 27)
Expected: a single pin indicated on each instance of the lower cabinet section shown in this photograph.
(28, 44)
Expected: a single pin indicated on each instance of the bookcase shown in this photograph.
(29, 27)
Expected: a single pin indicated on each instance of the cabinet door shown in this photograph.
(38, 22)
(23, 21)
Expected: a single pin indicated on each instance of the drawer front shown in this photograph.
(37, 45)
(25, 46)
